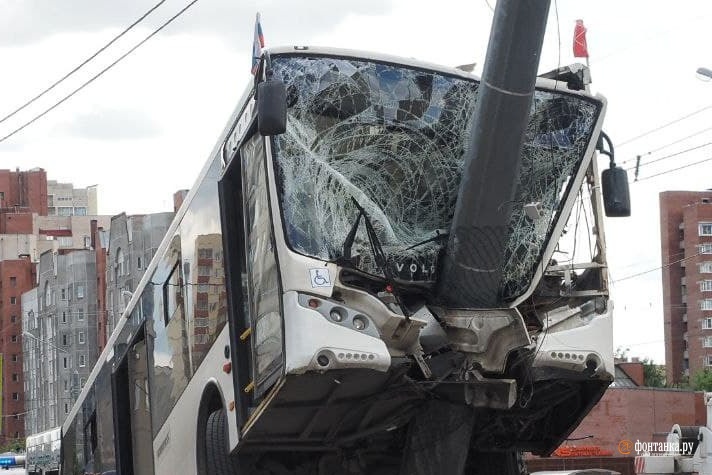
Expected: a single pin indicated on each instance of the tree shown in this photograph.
(702, 380)
(653, 375)
(13, 445)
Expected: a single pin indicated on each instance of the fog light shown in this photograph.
(336, 315)
(323, 360)
(360, 322)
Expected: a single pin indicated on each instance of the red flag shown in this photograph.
(580, 46)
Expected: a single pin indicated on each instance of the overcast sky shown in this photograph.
(145, 128)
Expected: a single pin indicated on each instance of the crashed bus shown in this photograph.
(383, 268)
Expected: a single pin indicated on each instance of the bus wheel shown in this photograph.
(509, 462)
(216, 454)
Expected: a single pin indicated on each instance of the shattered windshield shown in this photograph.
(391, 140)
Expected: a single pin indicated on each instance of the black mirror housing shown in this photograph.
(616, 192)
(271, 107)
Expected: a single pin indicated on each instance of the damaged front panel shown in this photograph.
(390, 140)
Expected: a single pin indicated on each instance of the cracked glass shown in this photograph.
(391, 139)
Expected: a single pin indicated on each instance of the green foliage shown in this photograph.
(13, 445)
(621, 353)
(653, 375)
(702, 380)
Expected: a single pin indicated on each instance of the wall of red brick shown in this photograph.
(632, 414)
(634, 371)
(27, 189)
(15, 223)
(11, 289)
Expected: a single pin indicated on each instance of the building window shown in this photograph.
(47, 294)
(66, 408)
(64, 210)
(87, 242)
(64, 316)
(120, 263)
(82, 361)
(66, 241)
(707, 323)
(14, 377)
(705, 229)
(138, 263)
(80, 211)
(14, 358)
(65, 340)
(13, 281)
(706, 248)
(706, 304)
(65, 362)
(205, 253)
(706, 267)
(13, 338)
(80, 291)
(15, 396)
(63, 294)
(81, 383)
(80, 314)
(204, 271)
(66, 385)
(706, 286)
(13, 300)
(13, 318)
(81, 338)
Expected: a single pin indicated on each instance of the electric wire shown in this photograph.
(663, 126)
(83, 63)
(671, 155)
(100, 73)
(673, 170)
(669, 144)
(637, 274)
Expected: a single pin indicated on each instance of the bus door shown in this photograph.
(132, 418)
(252, 275)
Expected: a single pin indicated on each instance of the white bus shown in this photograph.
(291, 320)
(42, 452)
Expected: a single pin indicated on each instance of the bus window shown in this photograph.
(263, 297)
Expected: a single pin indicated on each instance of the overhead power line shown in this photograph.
(83, 63)
(99, 74)
(665, 157)
(675, 169)
(638, 274)
(663, 126)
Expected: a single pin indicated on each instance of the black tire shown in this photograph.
(508, 462)
(217, 457)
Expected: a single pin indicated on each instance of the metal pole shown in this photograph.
(471, 272)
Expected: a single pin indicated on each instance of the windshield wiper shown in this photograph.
(438, 236)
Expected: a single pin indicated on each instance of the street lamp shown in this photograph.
(704, 73)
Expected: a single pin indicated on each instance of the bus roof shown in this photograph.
(410, 62)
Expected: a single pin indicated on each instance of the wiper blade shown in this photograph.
(376, 248)
(438, 236)
(351, 236)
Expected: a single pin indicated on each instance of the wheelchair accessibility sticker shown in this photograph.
(320, 277)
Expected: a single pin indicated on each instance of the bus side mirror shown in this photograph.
(271, 107)
(616, 193)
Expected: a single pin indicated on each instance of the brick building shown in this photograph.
(25, 191)
(17, 276)
(686, 250)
